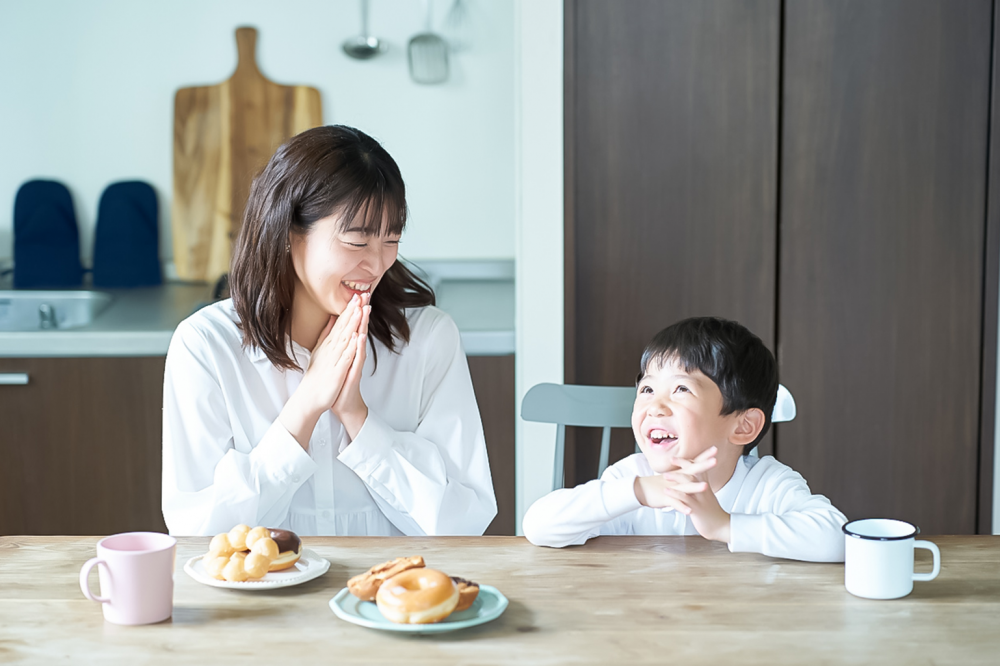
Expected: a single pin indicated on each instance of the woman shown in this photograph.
(328, 396)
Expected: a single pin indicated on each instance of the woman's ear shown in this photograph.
(748, 426)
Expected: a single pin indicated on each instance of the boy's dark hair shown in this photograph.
(727, 353)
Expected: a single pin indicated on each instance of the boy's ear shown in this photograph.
(748, 426)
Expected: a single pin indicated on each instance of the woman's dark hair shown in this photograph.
(320, 172)
(727, 353)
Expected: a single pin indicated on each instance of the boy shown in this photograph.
(704, 398)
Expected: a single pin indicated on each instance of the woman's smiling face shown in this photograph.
(678, 414)
(333, 264)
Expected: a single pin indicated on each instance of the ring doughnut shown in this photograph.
(467, 593)
(417, 596)
(289, 548)
(364, 586)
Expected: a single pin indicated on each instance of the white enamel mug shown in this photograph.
(879, 558)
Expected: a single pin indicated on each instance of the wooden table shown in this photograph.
(664, 600)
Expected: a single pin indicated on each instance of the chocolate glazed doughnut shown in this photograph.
(467, 593)
(289, 548)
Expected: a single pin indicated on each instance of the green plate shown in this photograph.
(489, 605)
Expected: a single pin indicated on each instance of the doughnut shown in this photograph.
(266, 547)
(220, 546)
(417, 596)
(238, 537)
(289, 548)
(365, 586)
(234, 571)
(467, 593)
(243, 553)
(256, 564)
(214, 565)
(255, 534)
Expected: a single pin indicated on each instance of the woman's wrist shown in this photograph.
(354, 420)
(299, 419)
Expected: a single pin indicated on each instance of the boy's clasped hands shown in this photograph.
(686, 489)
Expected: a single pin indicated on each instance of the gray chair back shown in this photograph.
(604, 407)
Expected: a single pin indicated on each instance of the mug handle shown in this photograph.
(85, 585)
(931, 546)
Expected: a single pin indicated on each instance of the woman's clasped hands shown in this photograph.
(333, 378)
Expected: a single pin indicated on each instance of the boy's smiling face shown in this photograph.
(679, 414)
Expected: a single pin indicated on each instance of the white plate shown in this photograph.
(489, 605)
(309, 566)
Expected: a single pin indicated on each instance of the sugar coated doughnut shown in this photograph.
(256, 564)
(214, 565)
(255, 534)
(266, 547)
(234, 571)
(417, 596)
(238, 537)
(220, 546)
(365, 586)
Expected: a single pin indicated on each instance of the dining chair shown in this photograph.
(604, 407)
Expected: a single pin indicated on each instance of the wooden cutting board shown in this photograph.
(223, 135)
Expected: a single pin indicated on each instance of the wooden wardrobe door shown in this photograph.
(883, 193)
(671, 192)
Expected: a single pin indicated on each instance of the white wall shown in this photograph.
(88, 87)
(539, 232)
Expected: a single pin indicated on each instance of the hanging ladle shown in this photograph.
(365, 45)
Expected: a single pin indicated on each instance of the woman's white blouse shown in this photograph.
(417, 467)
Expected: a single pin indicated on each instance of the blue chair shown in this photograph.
(46, 237)
(127, 237)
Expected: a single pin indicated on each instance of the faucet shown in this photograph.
(46, 316)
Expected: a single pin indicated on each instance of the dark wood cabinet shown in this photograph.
(80, 443)
(493, 381)
(671, 176)
(820, 171)
(80, 446)
(885, 121)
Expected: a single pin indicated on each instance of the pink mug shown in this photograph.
(136, 570)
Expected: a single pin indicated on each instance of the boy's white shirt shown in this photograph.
(772, 512)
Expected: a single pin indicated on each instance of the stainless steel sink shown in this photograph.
(50, 310)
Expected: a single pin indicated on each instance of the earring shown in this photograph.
(288, 248)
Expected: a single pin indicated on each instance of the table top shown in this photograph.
(614, 600)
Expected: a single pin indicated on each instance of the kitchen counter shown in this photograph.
(140, 322)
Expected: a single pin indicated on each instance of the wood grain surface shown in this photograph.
(671, 176)
(663, 600)
(223, 135)
(81, 448)
(883, 209)
(493, 381)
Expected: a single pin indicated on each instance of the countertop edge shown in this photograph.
(84, 344)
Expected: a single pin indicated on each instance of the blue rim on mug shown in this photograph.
(915, 532)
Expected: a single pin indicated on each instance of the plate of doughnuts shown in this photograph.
(256, 559)
(404, 595)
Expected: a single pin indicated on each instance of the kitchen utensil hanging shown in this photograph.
(365, 45)
(457, 26)
(428, 54)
